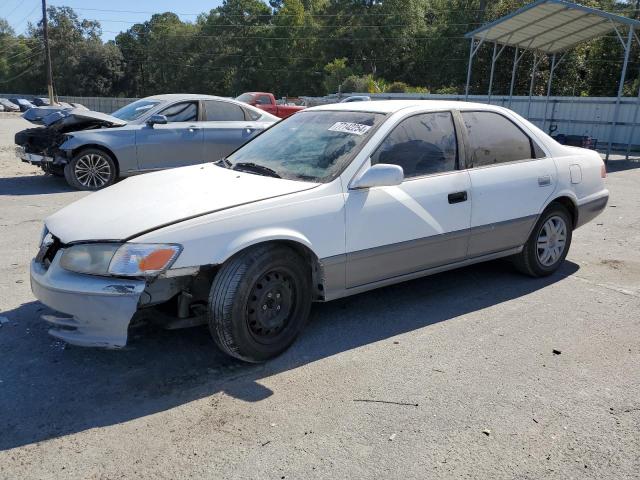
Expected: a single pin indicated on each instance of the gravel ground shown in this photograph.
(467, 356)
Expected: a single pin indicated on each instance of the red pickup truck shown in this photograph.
(267, 102)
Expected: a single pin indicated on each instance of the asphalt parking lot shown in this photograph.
(451, 376)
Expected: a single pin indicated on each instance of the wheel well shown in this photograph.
(312, 261)
(570, 206)
(75, 151)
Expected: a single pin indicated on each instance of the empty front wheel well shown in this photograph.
(569, 204)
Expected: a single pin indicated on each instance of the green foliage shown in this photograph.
(398, 87)
(356, 84)
(298, 47)
(451, 90)
(335, 72)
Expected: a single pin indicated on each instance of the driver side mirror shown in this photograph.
(380, 175)
(157, 119)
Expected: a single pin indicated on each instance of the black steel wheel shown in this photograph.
(259, 302)
(270, 305)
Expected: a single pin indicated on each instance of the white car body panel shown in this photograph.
(313, 217)
(359, 239)
(120, 212)
(416, 209)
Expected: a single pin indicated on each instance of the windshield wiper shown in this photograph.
(223, 162)
(255, 168)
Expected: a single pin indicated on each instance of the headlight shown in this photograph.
(125, 259)
(136, 259)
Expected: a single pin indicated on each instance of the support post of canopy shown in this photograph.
(493, 67)
(494, 59)
(554, 65)
(632, 128)
(546, 101)
(513, 75)
(623, 74)
(474, 49)
(466, 88)
(533, 79)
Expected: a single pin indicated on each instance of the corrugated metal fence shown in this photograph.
(97, 104)
(590, 116)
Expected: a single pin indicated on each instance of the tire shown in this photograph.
(544, 258)
(91, 169)
(259, 302)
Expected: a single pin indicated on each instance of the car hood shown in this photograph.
(62, 118)
(147, 202)
(37, 114)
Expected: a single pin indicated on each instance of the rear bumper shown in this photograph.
(591, 207)
(96, 310)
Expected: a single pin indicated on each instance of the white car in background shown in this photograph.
(333, 201)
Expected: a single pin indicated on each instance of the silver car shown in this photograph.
(93, 149)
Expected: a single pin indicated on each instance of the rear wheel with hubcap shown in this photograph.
(90, 169)
(259, 302)
(548, 243)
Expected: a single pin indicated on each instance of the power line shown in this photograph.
(273, 25)
(25, 52)
(17, 76)
(269, 15)
(27, 15)
(140, 51)
(332, 39)
(319, 15)
(13, 10)
(245, 37)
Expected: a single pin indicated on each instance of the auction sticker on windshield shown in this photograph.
(348, 127)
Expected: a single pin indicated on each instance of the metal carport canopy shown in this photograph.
(550, 26)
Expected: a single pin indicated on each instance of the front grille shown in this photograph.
(48, 251)
(52, 250)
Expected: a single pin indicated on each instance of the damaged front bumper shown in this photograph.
(97, 310)
(31, 158)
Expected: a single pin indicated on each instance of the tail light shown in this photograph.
(603, 171)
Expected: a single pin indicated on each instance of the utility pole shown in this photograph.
(47, 51)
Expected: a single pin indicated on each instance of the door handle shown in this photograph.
(193, 128)
(544, 180)
(458, 197)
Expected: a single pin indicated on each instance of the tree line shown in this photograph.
(299, 47)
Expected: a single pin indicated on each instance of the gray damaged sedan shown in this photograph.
(92, 150)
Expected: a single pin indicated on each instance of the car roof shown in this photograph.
(392, 106)
(170, 97)
(185, 96)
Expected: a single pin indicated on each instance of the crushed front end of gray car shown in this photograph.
(40, 145)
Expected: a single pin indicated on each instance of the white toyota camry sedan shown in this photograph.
(330, 202)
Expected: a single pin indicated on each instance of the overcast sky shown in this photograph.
(20, 12)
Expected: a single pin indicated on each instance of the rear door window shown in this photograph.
(494, 139)
(263, 100)
(422, 145)
(216, 111)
